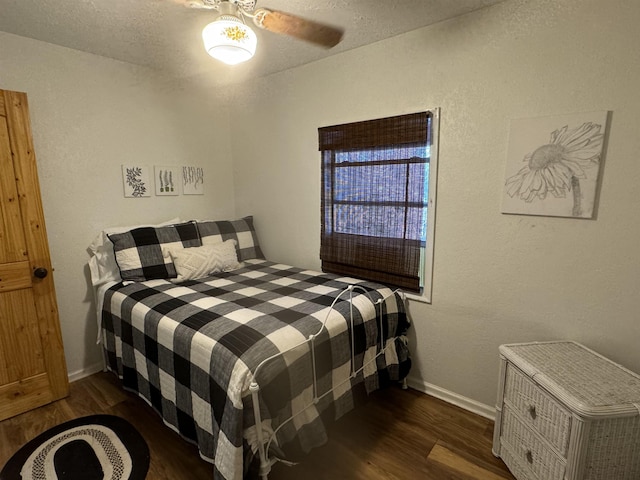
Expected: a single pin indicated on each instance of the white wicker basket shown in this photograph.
(566, 412)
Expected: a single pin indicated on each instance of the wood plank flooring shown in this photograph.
(397, 435)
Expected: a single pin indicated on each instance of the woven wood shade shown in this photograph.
(373, 198)
(382, 132)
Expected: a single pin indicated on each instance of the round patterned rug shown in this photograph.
(98, 447)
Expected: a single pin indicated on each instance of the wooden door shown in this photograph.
(32, 364)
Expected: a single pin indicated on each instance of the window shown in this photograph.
(377, 204)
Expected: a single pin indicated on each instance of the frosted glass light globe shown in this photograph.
(229, 40)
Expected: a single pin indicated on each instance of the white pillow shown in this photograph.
(199, 262)
(102, 262)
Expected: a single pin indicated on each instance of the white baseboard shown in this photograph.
(450, 397)
(446, 395)
(85, 372)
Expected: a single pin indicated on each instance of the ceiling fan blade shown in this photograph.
(314, 32)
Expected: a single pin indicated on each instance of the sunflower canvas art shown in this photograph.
(553, 165)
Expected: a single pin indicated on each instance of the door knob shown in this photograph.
(40, 272)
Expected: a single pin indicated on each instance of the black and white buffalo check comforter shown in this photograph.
(189, 349)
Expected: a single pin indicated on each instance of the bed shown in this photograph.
(251, 361)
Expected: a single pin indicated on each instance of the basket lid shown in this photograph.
(584, 380)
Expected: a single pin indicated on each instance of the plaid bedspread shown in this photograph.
(189, 350)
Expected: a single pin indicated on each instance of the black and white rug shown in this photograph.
(98, 447)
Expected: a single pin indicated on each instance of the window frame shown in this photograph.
(427, 253)
(427, 290)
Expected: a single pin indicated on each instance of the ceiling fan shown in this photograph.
(230, 40)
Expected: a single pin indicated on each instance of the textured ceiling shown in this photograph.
(166, 36)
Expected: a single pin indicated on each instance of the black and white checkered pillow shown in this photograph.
(242, 231)
(139, 252)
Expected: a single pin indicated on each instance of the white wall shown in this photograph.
(498, 278)
(89, 116)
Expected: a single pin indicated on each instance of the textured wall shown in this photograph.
(89, 116)
(497, 278)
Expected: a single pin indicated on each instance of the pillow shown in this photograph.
(102, 262)
(213, 232)
(199, 262)
(139, 252)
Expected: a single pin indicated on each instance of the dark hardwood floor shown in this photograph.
(397, 435)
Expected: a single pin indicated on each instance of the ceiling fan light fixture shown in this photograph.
(229, 40)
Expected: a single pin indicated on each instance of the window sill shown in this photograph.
(417, 298)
